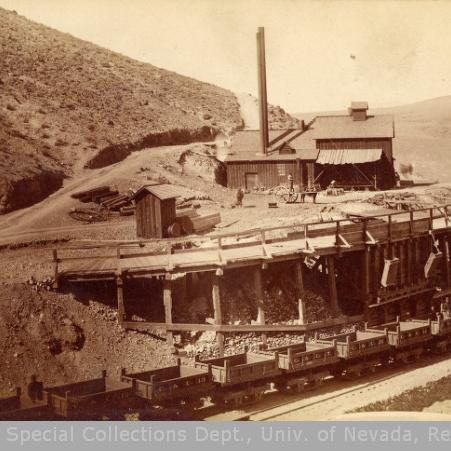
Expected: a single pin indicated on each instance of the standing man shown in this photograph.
(239, 197)
(290, 183)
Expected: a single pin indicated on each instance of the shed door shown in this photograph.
(251, 180)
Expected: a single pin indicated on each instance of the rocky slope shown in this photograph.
(63, 338)
(66, 104)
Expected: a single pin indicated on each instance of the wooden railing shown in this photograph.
(337, 228)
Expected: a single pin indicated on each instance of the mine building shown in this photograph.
(354, 150)
(288, 153)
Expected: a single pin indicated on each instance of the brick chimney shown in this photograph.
(358, 111)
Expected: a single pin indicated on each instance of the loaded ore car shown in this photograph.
(11, 402)
(171, 384)
(311, 361)
(86, 399)
(441, 331)
(360, 350)
(241, 377)
(408, 339)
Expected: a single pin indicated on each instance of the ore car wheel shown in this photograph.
(281, 192)
(291, 198)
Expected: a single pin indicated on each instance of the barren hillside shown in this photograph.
(66, 104)
(423, 135)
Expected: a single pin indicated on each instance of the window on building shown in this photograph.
(281, 169)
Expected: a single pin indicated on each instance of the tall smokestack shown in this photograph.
(262, 99)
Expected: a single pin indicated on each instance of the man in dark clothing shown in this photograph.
(290, 183)
(35, 389)
(239, 197)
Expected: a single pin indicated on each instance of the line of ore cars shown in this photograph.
(240, 378)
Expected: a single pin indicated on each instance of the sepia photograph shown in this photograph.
(225, 211)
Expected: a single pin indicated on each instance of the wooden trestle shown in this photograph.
(354, 249)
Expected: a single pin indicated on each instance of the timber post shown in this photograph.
(260, 301)
(216, 296)
(332, 285)
(120, 298)
(55, 268)
(299, 277)
(120, 289)
(366, 280)
(167, 300)
(446, 262)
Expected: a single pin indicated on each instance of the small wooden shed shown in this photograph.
(155, 210)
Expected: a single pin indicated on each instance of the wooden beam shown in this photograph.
(366, 268)
(409, 263)
(260, 301)
(299, 277)
(216, 296)
(332, 285)
(167, 300)
(446, 263)
(120, 299)
(55, 268)
(120, 288)
(243, 328)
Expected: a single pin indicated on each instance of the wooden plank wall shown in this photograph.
(168, 215)
(267, 172)
(148, 217)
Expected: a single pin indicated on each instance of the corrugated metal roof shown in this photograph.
(343, 127)
(348, 156)
(163, 191)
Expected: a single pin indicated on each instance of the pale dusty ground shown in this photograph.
(440, 407)
(336, 402)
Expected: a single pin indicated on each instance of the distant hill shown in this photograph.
(423, 135)
(66, 104)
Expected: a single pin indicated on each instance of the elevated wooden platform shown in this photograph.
(354, 250)
(252, 247)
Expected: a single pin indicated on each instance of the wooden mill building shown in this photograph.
(289, 152)
(354, 149)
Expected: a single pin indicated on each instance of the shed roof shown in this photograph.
(246, 143)
(246, 146)
(163, 191)
(344, 127)
(348, 156)
(359, 105)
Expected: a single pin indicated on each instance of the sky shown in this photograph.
(320, 55)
